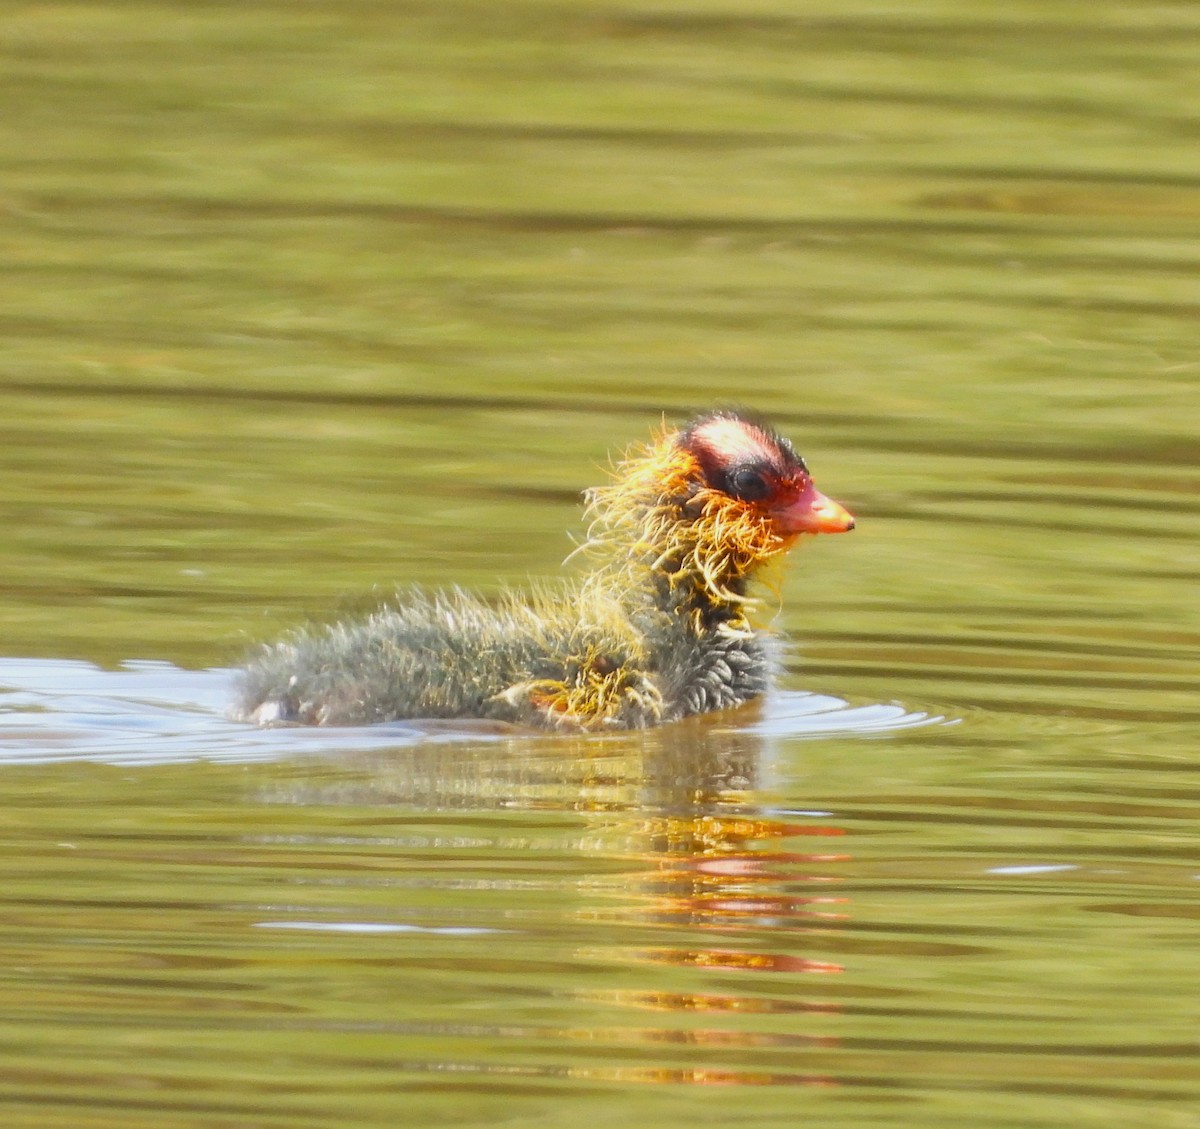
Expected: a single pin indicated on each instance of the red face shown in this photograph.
(761, 469)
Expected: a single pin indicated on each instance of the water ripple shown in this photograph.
(150, 713)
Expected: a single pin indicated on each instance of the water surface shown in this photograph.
(303, 303)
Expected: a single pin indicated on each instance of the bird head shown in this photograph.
(747, 474)
(707, 505)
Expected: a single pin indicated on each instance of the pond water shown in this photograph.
(302, 303)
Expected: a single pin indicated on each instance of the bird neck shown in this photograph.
(665, 543)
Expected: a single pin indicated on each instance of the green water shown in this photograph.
(302, 302)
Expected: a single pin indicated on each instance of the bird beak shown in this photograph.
(812, 512)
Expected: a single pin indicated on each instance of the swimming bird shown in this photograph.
(657, 629)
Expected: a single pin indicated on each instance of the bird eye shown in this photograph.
(748, 484)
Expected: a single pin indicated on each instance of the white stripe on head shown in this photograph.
(730, 441)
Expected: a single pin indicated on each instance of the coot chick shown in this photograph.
(657, 630)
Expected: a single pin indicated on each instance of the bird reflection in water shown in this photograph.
(675, 839)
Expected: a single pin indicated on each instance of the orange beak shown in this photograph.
(812, 512)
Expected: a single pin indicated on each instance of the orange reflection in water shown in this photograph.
(740, 961)
(728, 875)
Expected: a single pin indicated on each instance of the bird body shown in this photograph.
(656, 631)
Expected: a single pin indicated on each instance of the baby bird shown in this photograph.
(656, 631)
